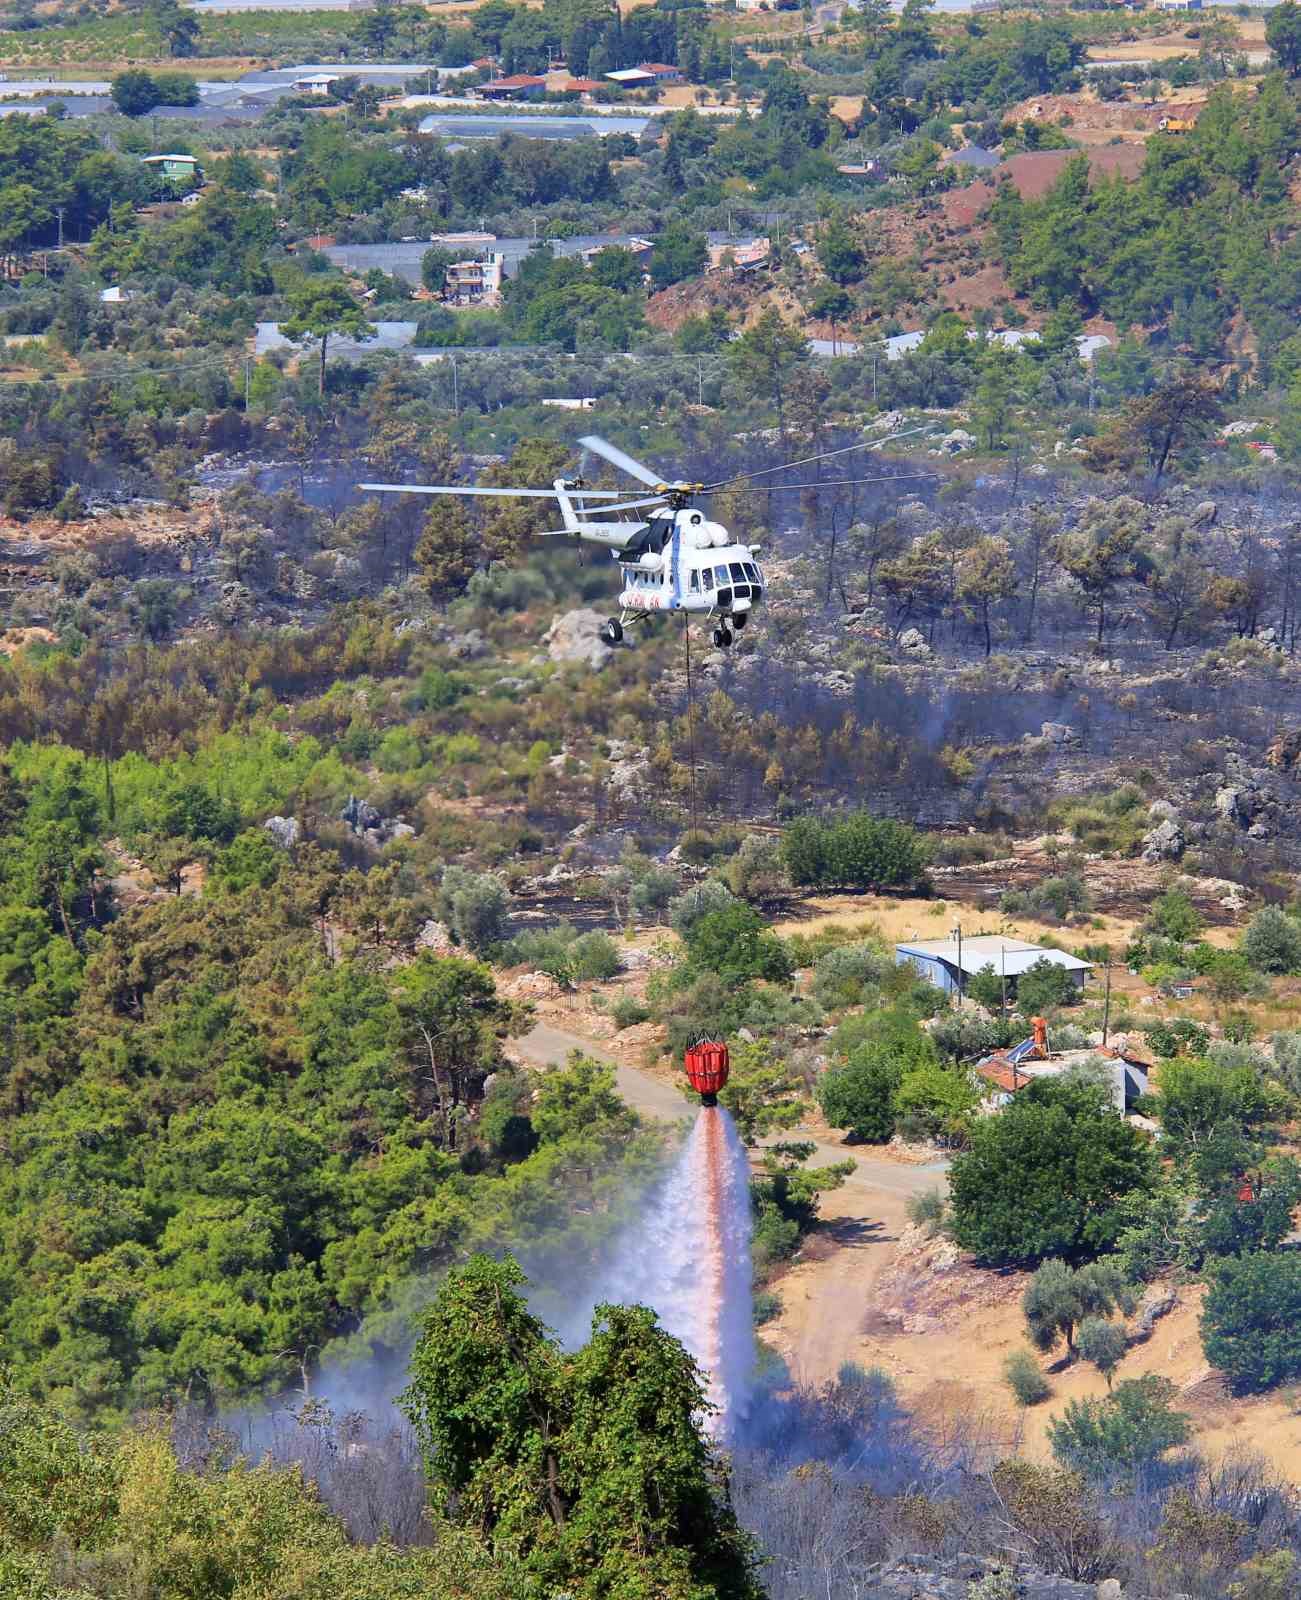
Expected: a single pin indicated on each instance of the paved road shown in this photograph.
(653, 1097)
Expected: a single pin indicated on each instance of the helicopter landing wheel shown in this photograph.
(738, 621)
(611, 631)
(722, 638)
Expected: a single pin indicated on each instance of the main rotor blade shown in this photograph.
(631, 505)
(820, 483)
(822, 455)
(449, 488)
(621, 459)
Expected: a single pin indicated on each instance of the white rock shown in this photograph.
(575, 636)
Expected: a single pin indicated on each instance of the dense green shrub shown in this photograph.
(1045, 1176)
(1251, 1320)
(858, 852)
(1272, 942)
(1127, 1432)
(1025, 1378)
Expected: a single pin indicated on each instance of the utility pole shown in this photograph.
(700, 381)
(58, 212)
(1002, 967)
(957, 934)
(456, 393)
(1106, 1007)
(248, 374)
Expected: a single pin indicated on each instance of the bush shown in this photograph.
(959, 1036)
(1044, 987)
(926, 1210)
(860, 852)
(564, 954)
(734, 943)
(842, 977)
(1102, 1344)
(764, 1307)
(1025, 1379)
(1272, 943)
(859, 1096)
(1251, 1320)
(936, 1100)
(757, 871)
(1127, 1432)
(1056, 898)
(627, 1011)
(474, 906)
(1177, 1038)
(1174, 916)
(692, 904)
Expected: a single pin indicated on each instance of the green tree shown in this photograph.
(1251, 1320)
(986, 576)
(839, 253)
(1103, 553)
(180, 29)
(1174, 916)
(1045, 1177)
(1102, 1344)
(1044, 986)
(1272, 943)
(590, 1468)
(1198, 1097)
(135, 92)
(322, 306)
(679, 253)
(1283, 36)
(764, 357)
(734, 943)
(859, 1096)
(1126, 1433)
(1060, 1297)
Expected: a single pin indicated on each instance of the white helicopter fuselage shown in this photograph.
(697, 567)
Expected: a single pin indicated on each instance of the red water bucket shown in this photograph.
(707, 1067)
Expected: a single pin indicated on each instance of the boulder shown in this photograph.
(1165, 842)
(575, 636)
(434, 936)
(1161, 811)
(1156, 1303)
(1204, 514)
(1060, 734)
(284, 830)
(958, 440)
(361, 816)
(914, 642)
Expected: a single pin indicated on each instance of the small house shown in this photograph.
(521, 86)
(316, 82)
(469, 282)
(950, 963)
(632, 78)
(179, 168)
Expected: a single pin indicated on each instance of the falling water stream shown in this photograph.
(688, 1259)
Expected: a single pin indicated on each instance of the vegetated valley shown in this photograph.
(362, 899)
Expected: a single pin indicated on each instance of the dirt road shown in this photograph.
(825, 1296)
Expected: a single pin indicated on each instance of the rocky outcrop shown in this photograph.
(1165, 842)
(1060, 734)
(368, 823)
(913, 640)
(575, 636)
(966, 1577)
(284, 830)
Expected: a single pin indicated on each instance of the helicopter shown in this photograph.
(675, 558)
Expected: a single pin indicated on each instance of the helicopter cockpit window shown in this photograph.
(694, 585)
(751, 571)
(738, 572)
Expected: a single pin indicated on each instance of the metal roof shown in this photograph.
(1013, 956)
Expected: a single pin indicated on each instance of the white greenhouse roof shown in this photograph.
(1013, 956)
